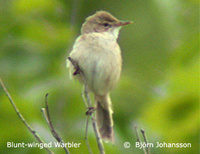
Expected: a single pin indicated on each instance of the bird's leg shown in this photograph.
(87, 100)
(76, 67)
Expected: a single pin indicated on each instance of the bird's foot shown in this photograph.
(90, 111)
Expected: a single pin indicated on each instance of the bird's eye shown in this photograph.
(106, 25)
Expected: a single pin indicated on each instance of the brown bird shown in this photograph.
(98, 56)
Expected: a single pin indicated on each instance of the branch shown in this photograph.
(145, 140)
(46, 114)
(138, 139)
(147, 149)
(86, 134)
(99, 141)
(87, 122)
(94, 123)
(90, 108)
(22, 118)
(89, 113)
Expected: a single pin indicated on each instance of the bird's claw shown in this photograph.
(77, 70)
(90, 111)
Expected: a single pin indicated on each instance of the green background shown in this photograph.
(159, 86)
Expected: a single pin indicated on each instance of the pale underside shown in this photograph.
(99, 58)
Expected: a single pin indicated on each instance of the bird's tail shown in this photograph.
(104, 118)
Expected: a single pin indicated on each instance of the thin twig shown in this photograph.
(99, 141)
(87, 96)
(86, 135)
(35, 134)
(138, 139)
(94, 123)
(47, 117)
(87, 122)
(84, 99)
(89, 105)
(145, 140)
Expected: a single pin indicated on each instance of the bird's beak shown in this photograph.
(123, 23)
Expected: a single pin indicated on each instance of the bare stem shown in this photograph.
(35, 134)
(86, 135)
(139, 140)
(94, 123)
(47, 117)
(138, 137)
(145, 140)
(99, 141)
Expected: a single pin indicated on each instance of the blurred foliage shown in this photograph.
(158, 90)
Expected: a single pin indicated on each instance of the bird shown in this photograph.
(98, 56)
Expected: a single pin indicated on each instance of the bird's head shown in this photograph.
(103, 21)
